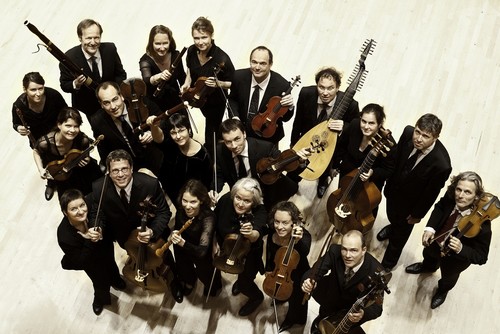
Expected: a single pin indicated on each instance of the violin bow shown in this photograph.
(230, 112)
(191, 119)
(104, 184)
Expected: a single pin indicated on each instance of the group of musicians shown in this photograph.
(214, 233)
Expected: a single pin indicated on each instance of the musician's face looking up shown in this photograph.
(91, 39)
(352, 250)
(283, 223)
(327, 89)
(465, 194)
(202, 40)
(180, 135)
(191, 204)
(35, 92)
(235, 141)
(120, 172)
(260, 65)
(161, 44)
(111, 101)
(76, 212)
(368, 124)
(242, 201)
(422, 139)
(69, 129)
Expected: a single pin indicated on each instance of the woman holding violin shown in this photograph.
(187, 158)
(162, 79)
(244, 200)
(285, 219)
(460, 203)
(207, 67)
(66, 142)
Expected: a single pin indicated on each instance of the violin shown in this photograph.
(264, 124)
(350, 207)
(279, 284)
(269, 169)
(21, 117)
(173, 66)
(60, 170)
(160, 251)
(487, 208)
(197, 95)
(232, 256)
(143, 267)
(319, 162)
(133, 91)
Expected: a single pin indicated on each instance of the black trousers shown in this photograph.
(399, 235)
(253, 264)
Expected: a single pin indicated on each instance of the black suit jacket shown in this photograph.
(240, 96)
(117, 220)
(332, 293)
(306, 116)
(84, 99)
(414, 194)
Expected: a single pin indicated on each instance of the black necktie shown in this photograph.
(447, 226)
(410, 163)
(123, 197)
(348, 275)
(128, 135)
(242, 171)
(322, 114)
(95, 69)
(254, 103)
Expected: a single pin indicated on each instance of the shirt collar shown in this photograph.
(128, 188)
(87, 56)
(244, 153)
(263, 84)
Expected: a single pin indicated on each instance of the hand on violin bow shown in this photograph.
(308, 285)
(146, 138)
(79, 81)
(248, 232)
(297, 232)
(177, 239)
(287, 101)
(455, 244)
(336, 125)
(44, 174)
(427, 237)
(214, 196)
(366, 176)
(356, 316)
(23, 131)
(211, 82)
(95, 234)
(145, 236)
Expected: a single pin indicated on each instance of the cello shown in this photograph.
(232, 255)
(319, 162)
(264, 124)
(350, 206)
(197, 95)
(143, 266)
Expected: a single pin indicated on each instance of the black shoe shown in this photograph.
(97, 308)
(384, 233)
(188, 289)
(49, 193)
(321, 190)
(119, 285)
(176, 291)
(438, 299)
(235, 289)
(285, 325)
(418, 268)
(250, 306)
(314, 326)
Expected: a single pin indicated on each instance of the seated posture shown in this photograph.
(460, 200)
(84, 249)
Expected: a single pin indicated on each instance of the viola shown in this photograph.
(487, 208)
(197, 95)
(60, 170)
(173, 66)
(232, 256)
(133, 91)
(269, 170)
(162, 116)
(264, 124)
(350, 206)
(160, 251)
(21, 117)
(143, 267)
(372, 292)
(279, 284)
(319, 162)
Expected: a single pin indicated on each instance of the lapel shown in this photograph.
(105, 66)
(246, 86)
(112, 126)
(82, 60)
(227, 156)
(268, 92)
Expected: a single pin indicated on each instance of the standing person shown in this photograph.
(186, 157)
(460, 200)
(422, 166)
(55, 145)
(114, 123)
(39, 106)
(155, 68)
(285, 218)
(253, 87)
(193, 248)
(245, 198)
(85, 249)
(98, 60)
(335, 286)
(201, 60)
(315, 105)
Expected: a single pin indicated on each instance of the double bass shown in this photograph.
(350, 206)
(319, 162)
(143, 267)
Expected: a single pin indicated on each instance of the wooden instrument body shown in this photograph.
(233, 254)
(269, 169)
(133, 92)
(265, 124)
(196, 96)
(279, 284)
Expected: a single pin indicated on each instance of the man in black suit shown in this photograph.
(422, 168)
(461, 198)
(347, 265)
(98, 60)
(114, 123)
(253, 87)
(237, 157)
(315, 105)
